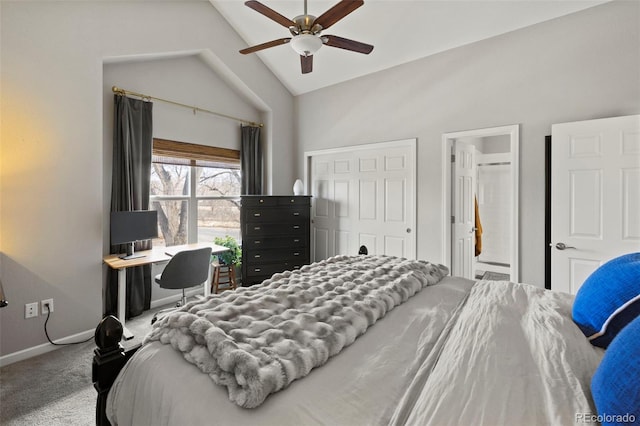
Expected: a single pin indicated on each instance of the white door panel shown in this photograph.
(595, 196)
(463, 211)
(364, 195)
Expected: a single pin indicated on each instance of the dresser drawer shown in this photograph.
(297, 227)
(295, 255)
(262, 215)
(268, 269)
(261, 243)
(293, 201)
(278, 200)
(258, 201)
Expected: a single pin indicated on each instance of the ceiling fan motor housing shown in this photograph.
(304, 25)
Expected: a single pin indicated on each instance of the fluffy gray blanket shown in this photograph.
(257, 340)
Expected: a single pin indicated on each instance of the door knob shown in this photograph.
(563, 246)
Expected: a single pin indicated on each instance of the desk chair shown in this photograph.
(186, 269)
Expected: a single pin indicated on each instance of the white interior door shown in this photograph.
(364, 195)
(595, 196)
(463, 218)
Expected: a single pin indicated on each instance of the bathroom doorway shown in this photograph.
(480, 175)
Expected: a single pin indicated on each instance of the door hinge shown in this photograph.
(453, 219)
(453, 158)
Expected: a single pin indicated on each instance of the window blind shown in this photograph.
(189, 154)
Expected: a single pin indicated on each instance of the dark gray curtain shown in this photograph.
(132, 148)
(251, 161)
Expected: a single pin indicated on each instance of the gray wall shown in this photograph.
(52, 203)
(579, 67)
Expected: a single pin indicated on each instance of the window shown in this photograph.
(196, 191)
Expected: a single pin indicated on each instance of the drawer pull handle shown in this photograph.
(257, 242)
(257, 214)
(257, 256)
(257, 269)
(256, 228)
(261, 200)
(296, 240)
(293, 201)
(296, 213)
(296, 226)
(296, 253)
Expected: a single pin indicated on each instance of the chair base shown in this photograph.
(179, 303)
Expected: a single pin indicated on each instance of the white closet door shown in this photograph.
(364, 195)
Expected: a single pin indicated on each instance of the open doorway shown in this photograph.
(480, 193)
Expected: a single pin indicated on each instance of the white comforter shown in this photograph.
(456, 353)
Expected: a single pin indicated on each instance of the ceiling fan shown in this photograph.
(305, 31)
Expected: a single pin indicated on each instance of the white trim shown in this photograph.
(411, 143)
(43, 348)
(447, 138)
(84, 335)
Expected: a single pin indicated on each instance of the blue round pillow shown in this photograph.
(615, 386)
(609, 299)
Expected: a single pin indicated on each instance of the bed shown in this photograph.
(368, 340)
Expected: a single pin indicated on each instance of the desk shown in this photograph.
(155, 255)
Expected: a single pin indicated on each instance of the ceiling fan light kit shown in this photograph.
(306, 44)
(305, 31)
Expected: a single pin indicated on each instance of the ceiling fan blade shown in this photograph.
(307, 63)
(337, 12)
(269, 13)
(266, 45)
(345, 43)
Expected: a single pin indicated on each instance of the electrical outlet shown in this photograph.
(43, 306)
(31, 310)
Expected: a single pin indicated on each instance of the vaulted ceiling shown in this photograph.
(401, 31)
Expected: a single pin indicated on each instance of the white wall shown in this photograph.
(579, 67)
(52, 100)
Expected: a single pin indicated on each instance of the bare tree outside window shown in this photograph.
(171, 180)
(220, 216)
(209, 196)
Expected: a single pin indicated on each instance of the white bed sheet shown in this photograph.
(363, 385)
(513, 357)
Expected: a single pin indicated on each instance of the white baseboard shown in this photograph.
(44, 348)
(48, 347)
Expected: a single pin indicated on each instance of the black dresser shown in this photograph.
(275, 235)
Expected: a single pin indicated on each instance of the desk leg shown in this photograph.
(122, 302)
(207, 283)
